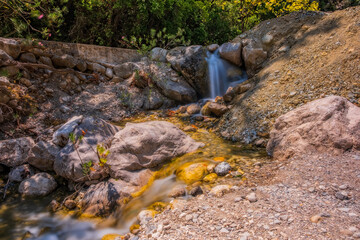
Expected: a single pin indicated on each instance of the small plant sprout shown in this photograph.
(102, 154)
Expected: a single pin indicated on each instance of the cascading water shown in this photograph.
(222, 74)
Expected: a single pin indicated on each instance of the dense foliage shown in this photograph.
(139, 23)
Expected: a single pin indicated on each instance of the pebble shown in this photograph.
(344, 209)
(238, 199)
(356, 235)
(224, 230)
(353, 229)
(342, 195)
(343, 187)
(222, 169)
(188, 217)
(315, 218)
(251, 197)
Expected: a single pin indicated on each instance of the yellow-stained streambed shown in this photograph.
(17, 216)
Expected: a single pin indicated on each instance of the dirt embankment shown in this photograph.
(311, 55)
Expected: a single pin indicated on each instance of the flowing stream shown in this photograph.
(222, 74)
(30, 219)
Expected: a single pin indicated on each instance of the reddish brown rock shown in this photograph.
(331, 124)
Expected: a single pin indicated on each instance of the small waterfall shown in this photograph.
(217, 74)
(222, 74)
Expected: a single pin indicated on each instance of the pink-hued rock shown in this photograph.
(147, 145)
(331, 124)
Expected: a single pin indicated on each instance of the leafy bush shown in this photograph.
(144, 24)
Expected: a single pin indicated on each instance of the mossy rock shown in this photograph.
(192, 172)
(210, 178)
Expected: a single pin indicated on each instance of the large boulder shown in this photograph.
(10, 46)
(72, 162)
(15, 152)
(41, 184)
(190, 62)
(253, 57)
(231, 52)
(331, 124)
(43, 155)
(147, 145)
(171, 84)
(148, 75)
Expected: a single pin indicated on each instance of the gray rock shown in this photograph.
(158, 54)
(28, 57)
(15, 152)
(222, 168)
(125, 70)
(193, 109)
(10, 46)
(231, 52)
(267, 39)
(64, 60)
(103, 198)
(342, 195)
(154, 100)
(171, 84)
(147, 145)
(65, 109)
(81, 65)
(109, 73)
(224, 230)
(5, 58)
(40, 184)
(96, 67)
(251, 197)
(61, 136)
(43, 155)
(190, 62)
(253, 57)
(69, 161)
(46, 60)
(20, 173)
